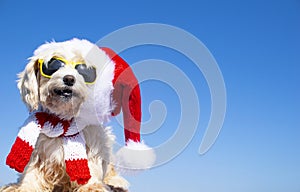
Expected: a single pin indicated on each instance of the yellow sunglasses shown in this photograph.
(47, 69)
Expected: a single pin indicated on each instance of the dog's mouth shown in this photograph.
(64, 93)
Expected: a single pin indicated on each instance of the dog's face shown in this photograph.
(58, 78)
(62, 89)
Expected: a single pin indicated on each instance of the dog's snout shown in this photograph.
(69, 80)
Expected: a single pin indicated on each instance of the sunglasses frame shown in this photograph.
(66, 62)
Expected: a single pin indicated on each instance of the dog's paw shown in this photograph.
(117, 189)
(10, 188)
(95, 187)
(117, 182)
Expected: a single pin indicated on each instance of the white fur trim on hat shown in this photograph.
(134, 157)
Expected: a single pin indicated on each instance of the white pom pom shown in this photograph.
(135, 157)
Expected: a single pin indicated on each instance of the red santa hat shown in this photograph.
(126, 97)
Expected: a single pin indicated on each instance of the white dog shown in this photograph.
(71, 81)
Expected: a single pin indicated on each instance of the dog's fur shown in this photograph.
(46, 169)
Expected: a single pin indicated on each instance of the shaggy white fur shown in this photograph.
(90, 106)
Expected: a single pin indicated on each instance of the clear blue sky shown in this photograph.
(256, 45)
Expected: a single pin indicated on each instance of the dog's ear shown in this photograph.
(28, 85)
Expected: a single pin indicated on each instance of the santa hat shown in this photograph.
(136, 155)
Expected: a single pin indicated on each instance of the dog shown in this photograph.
(72, 81)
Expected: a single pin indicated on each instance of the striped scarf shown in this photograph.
(52, 126)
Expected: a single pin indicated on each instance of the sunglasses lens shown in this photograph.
(89, 74)
(52, 66)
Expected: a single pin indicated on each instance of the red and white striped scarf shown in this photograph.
(73, 144)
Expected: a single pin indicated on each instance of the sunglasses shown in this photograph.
(47, 69)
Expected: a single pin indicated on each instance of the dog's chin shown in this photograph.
(64, 102)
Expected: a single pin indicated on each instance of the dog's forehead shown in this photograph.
(74, 50)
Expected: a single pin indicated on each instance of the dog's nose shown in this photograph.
(69, 80)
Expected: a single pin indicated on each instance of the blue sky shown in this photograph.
(256, 45)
